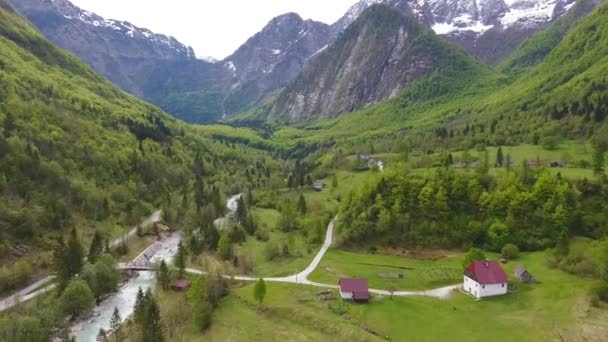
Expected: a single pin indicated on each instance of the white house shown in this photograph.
(485, 279)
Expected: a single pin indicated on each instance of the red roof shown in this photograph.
(358, 287)
(486, 272)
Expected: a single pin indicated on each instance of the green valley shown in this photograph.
(359, 202)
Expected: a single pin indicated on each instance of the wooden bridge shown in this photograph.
(142, 262)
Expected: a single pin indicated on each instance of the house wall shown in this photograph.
(493, 290)
(346, 295)
(481, 291)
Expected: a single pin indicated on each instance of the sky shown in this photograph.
(214, 28)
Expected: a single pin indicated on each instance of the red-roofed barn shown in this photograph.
(354, 289)
(485, 278)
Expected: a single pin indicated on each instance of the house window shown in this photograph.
(503, 285)
(483, 286)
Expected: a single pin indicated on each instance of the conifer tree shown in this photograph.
(259, 291)
(241, 210)
(180, 259)
(152, 327)
(500, 159)
(302, 208)
(164, 278)
(115, 325)
(96, 248)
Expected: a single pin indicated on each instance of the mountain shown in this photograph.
(272, 58)
(380, 54)
(488, 29)
(116, 49)
(538, 46)
(75, 151)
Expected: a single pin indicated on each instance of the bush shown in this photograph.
(599, 294)
(262, 235)
(77, 298)
(510, 251)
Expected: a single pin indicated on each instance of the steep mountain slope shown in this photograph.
(77, 152)
(113, 48)
(538, 46)
(489, 29)
(272, 58)
(380, 54)
(165, 72)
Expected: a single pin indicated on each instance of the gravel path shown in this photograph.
(302, 277)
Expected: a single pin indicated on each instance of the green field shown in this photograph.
(557, 306)
(419, 274)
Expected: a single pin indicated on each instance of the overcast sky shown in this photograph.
(213, 28)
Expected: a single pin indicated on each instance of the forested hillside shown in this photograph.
(77, 152)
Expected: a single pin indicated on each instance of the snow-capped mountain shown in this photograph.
(56, 13)
(272, 58)
(489, 29)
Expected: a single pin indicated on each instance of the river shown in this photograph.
(124, 298)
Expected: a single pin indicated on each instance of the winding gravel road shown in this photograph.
(302, 277)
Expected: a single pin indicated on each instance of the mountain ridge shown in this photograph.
(379, 55)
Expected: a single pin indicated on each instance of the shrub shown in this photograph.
(77, 298)
(262, 235)
(510, 251)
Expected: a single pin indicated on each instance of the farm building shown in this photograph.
(354, 289)
(485, 278)
(181, 285)
(319, 186)
(523, 275)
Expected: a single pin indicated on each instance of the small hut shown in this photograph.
(523, 275)
(181, 285)
(318, 186)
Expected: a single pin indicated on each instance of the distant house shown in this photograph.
(319, 186)
(485, 278)
(523, 275)
(559, 164)
(354, 289)
(364, 156)
(474, 165)
(459, 165)
(535, 163)
(181, 285)
(380, 164)
(373, 163)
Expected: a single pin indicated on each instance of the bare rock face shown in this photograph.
(377, 56)
(272, 58)
(116, 49)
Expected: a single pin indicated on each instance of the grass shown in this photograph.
(301, 251)
(419, 274)
(556, 307)
(289, 313)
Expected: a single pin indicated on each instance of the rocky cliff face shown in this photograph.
(488, 29)
(377, 56)
(272, 58)
(116, 49)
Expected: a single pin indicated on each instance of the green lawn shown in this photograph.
(557, 306)
(419, 274)
(290, 313)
